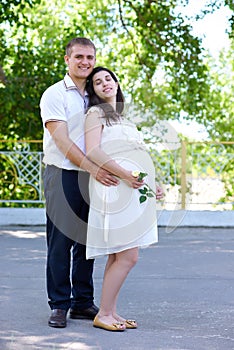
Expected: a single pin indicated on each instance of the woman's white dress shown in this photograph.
(117, 220)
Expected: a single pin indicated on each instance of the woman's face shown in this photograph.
(104, 86)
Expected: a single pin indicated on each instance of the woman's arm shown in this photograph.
(93, 134)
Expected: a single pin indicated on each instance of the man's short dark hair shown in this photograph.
(79, 41)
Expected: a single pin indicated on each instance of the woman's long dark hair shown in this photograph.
(109, 113)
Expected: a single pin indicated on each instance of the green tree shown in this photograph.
(13, 11)
(158, 61)
(163, 68)
(220, 115)
(220, 103)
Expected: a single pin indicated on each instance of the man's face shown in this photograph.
(81, 61)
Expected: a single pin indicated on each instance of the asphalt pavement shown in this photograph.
(181, 292)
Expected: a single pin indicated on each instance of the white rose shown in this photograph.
(135, 173)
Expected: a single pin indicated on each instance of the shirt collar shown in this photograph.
(70, 85)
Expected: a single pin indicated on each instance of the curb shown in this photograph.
(166, 218)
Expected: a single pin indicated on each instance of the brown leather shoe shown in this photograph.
(58, 318)
(89, 313)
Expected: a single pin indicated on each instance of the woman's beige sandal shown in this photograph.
(117, 326)
(130, 324)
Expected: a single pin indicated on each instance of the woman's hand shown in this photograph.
(132, 180)
(159, 192)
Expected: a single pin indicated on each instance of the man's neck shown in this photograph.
(80, 84)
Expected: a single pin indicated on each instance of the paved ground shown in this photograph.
(181, 292)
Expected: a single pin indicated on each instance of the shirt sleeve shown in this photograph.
(52, 106)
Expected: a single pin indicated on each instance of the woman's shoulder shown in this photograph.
(94, 116)
(95, 110)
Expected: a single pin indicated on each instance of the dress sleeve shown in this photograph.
(98, 112)
(93, 119)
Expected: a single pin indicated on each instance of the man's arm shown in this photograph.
(59, 132)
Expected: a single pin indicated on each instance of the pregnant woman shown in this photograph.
(118, 222)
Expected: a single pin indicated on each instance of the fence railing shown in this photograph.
(206, 175)
(194, 175)
(21, 173)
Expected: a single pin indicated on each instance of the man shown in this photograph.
(66, 188)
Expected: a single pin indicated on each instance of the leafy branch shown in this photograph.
(146, 191)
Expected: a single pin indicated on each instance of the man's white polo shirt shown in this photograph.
(63, 102)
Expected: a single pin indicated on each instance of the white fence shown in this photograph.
(194, 175)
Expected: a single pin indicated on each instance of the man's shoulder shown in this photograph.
(59, 85)
(62, 86)
(54, 90)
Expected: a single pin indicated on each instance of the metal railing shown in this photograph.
(21, 172)
(194, 175)
(206, 175)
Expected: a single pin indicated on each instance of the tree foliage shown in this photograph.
(159, 62)
(12, 11)
(162, 67)
(220, 111)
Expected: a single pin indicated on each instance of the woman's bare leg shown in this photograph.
(110, 261)
(117, 269)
